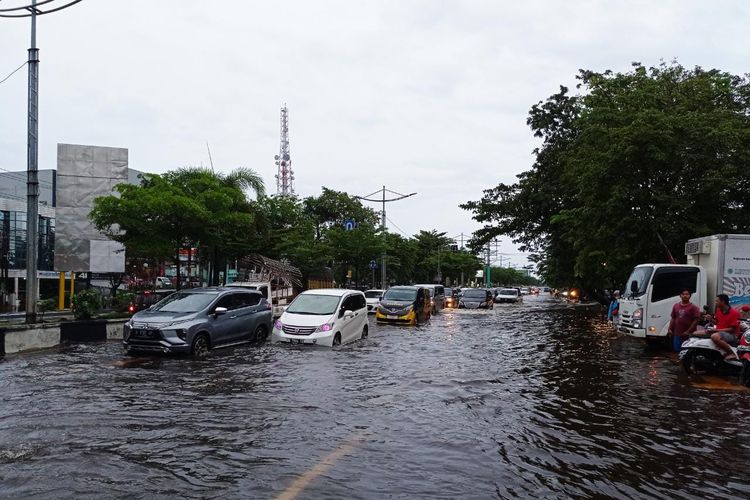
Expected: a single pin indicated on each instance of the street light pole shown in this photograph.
(32, 185)
(33, 10)
(399, 196)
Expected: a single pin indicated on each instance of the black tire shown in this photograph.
(201, 346)
(745, 373)
(261, 333)
(337, 340)
(688, 363)
(365, 332)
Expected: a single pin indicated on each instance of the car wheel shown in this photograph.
(364, 332)
(260, 333)
(745, 374)
(201, 346)
(336, 339)
(688, 363)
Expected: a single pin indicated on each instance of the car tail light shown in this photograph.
(131, 308)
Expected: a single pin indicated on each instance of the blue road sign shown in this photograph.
(373, 264)
(350, 224)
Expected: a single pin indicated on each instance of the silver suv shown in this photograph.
(196, 320)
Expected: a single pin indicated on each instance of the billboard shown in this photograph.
(83, 174)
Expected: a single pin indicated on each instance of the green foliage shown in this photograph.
(122, 300)
(86, 304)
(45, 305)
(653, 152)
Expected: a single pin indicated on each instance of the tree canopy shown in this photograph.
(630, 160)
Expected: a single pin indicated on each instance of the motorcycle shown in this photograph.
(699, 353)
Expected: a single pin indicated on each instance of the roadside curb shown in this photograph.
(23, 338)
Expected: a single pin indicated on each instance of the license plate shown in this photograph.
(392, 316)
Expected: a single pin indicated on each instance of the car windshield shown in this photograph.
(373, 294)
(408, 294)
(184, 302)
(448, 292)
(641, 275)
(475, 294)
(508, 291)
(314, 304)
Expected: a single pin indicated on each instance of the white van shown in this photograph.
(327, 316)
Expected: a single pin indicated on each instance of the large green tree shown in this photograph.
(633, 159)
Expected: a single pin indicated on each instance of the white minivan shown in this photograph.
(328, 317)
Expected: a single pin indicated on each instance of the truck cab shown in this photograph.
(278, 296)
(651, 292)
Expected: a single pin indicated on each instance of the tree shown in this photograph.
(154, 219)
(232, 230)
(661, 152)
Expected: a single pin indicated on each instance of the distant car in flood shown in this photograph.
(510, 295)
(373, 299)
(408, 305)
(451, 298)
(477, 298)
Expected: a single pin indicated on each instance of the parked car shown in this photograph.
(437, 297)
(147, 298)
(163, 282)
(477, 298)
(197, 320)
(508, 295)
(451, 298)
(373, 299)
(326, 316)
(404, 305)
(525, 290)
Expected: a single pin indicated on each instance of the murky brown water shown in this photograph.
(526, 400)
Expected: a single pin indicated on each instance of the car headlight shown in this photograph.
(325, 327)
(278, 324)
(638, 313)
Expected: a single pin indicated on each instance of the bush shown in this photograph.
(44, 306)
(86, 303)
(122, 300)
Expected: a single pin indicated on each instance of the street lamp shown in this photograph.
(32, 10)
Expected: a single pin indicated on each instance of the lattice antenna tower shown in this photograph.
(285, 175)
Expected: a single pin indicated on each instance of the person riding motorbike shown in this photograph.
(725, 333)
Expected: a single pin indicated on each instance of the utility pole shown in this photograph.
(32, 184)
(383, 200)
(32, 148)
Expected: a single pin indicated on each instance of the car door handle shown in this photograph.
(233, 317)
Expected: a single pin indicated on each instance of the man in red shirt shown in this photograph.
(727, 328)
(685, 317)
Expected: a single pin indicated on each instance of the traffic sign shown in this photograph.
(350, 224)
(373, 264)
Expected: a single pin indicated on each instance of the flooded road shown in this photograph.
(527, 400)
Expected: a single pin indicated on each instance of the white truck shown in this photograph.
(278, 296)
(715, 264)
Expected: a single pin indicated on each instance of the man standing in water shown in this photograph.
(727, 328)
(685, 316)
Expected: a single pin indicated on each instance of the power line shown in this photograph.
(396, 226)
(14, 71)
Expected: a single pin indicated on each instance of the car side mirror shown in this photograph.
(348, 314)
(219, 311)
(634, 286)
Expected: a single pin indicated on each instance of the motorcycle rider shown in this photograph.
(727, 328)
(685, 316)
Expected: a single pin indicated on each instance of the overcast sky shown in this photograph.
(425, 96)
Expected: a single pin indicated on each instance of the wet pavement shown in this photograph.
(538, 399)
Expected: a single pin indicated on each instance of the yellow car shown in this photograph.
(406, 305)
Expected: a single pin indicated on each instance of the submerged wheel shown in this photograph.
(201, 346)
(337, 339)
(364, 332)
(688, 363)
(745, 373)
(260, 333)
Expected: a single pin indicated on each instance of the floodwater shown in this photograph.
(531, 400)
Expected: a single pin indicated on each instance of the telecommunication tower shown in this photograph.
(285, 177)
